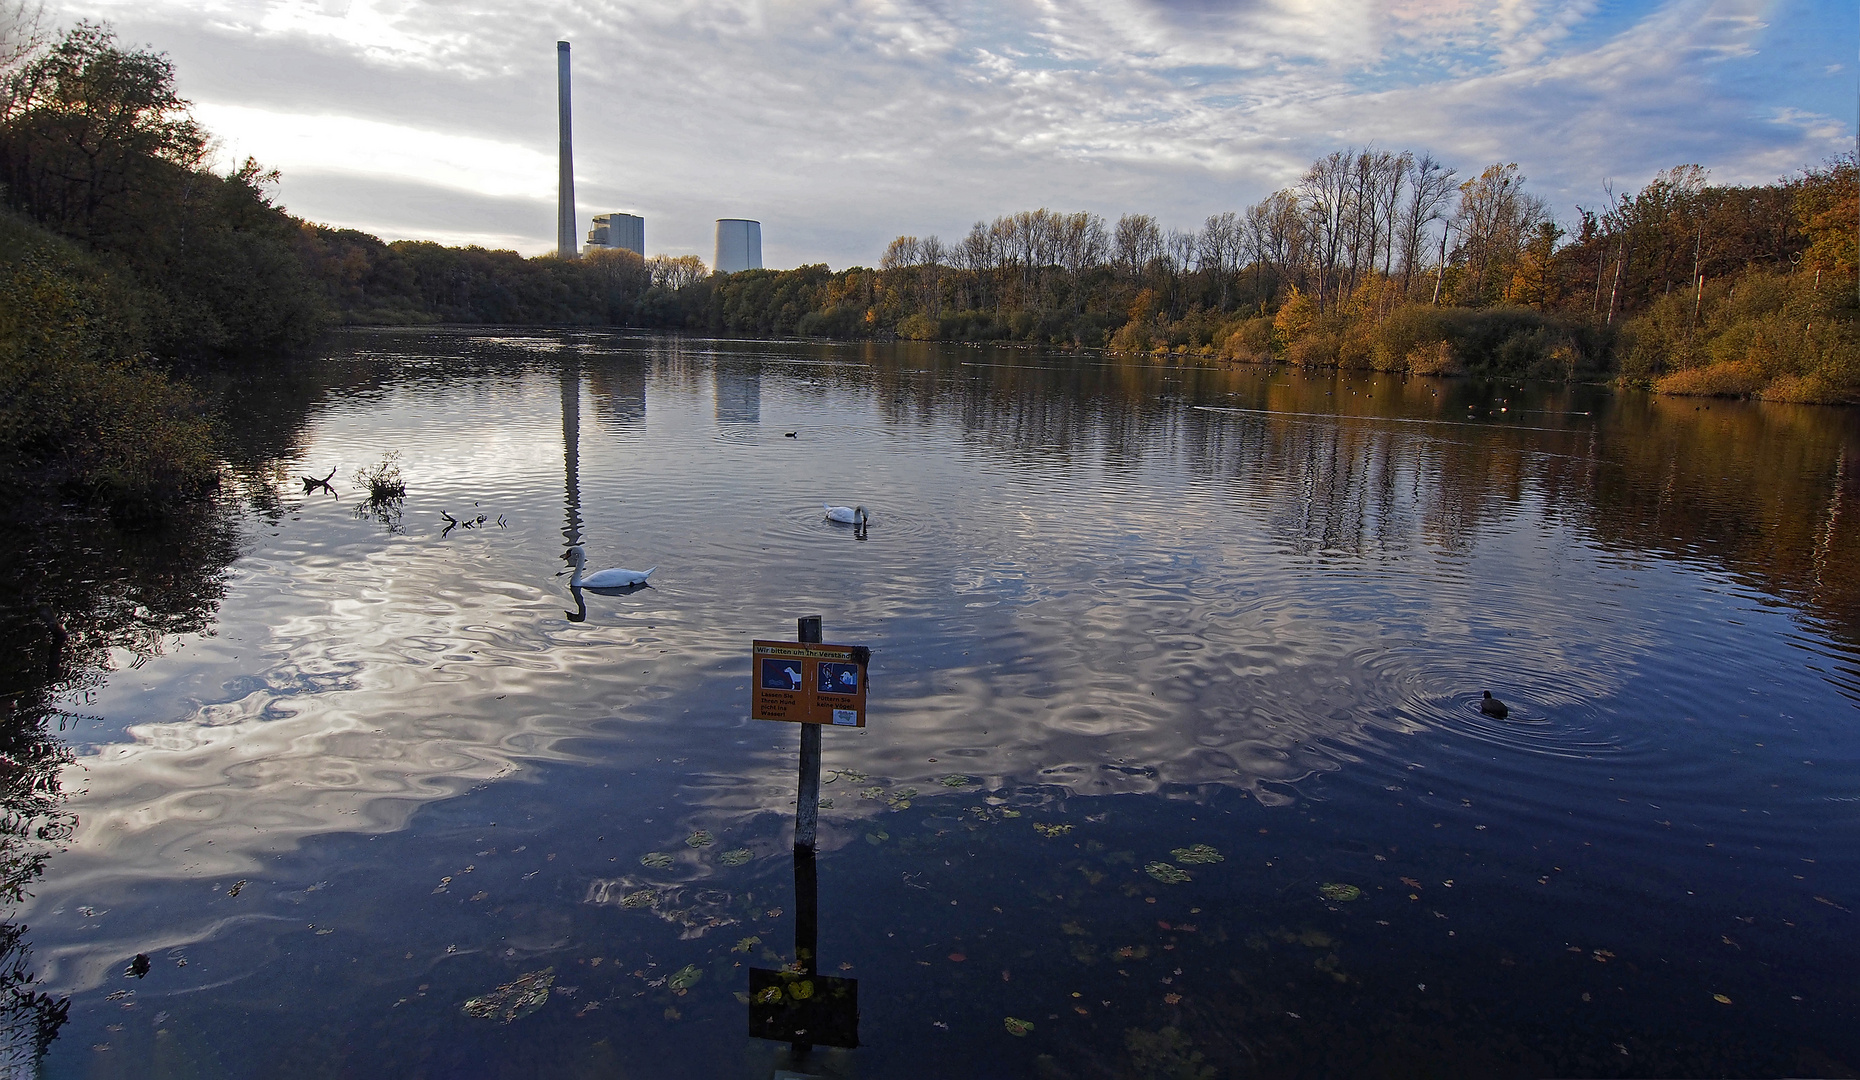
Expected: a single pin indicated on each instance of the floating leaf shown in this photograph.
(1132, 952)
(737, 857)
(513, 1000)
(699, 839)
(1197, 853)
(642, 898)
(1333, 890)
(1721, 999)
(1165, 873)
(657, 860)
(1051, 830)
(1171, 999)
(954, 780)
(769, 995)
(801, 989)
(825, 804)
(873, 792)
(237, 888)
(684, 978)
(1017, 1028)
(746, 944)
(901, 798)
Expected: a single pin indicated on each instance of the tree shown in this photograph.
(87, 127)
(1495, 216)
(1430, 189)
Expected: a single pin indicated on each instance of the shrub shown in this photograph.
(81, 408)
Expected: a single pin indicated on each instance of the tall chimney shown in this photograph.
(565, 245)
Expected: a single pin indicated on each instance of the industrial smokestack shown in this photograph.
(565, 210)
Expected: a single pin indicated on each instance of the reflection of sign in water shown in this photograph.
(808, 683)
(792, 1006)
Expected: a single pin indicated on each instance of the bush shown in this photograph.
(918, 327)
(81, 408)
(1765, 335)
(1249, 341)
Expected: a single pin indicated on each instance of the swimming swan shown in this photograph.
(615, 578)
(848, 515)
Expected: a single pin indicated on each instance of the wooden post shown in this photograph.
(807, 801)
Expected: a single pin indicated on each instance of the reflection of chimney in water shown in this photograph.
(571, 446)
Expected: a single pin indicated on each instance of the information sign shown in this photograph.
(806, 683)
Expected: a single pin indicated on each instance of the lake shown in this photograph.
(1174, 763)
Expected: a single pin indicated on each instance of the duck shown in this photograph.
(615, 578)
(848, 515)
(1491, 706)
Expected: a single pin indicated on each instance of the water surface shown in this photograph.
(1116, 609)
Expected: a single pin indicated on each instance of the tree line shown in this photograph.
(122, 251)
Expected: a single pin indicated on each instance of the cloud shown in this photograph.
(840, 123)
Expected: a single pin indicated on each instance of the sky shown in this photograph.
(840, 124)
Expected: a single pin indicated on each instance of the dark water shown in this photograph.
(1116, 610)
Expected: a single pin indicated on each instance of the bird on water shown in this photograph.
(1491, 706)
(847, 515)
(615, 578)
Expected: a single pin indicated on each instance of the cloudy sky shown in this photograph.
(842, 123)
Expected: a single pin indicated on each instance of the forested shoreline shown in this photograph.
(123, 253)
(1375, 260)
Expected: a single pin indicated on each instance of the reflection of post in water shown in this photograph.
(796, 1004)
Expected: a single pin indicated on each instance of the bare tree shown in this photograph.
(1082, 246)
(1430, 186)
(1324, 195)
(1219, 250)
(676, 272)
(900, 252)
(1136, 243)
(22, 32)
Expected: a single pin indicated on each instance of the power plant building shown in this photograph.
(739, 245)
(619, 232)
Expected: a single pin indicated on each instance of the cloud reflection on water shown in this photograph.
(1076, 586)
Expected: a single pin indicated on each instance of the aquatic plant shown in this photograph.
(383, 480)
(1165, 873)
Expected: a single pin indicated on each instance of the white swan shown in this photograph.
(615, 578)
(848, 515)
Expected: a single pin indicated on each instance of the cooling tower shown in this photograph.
(565, 246)
(739, 245)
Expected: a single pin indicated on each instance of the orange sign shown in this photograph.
(807, 683)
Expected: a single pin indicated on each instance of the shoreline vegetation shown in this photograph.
(124, 257)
